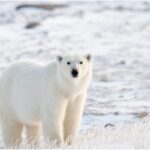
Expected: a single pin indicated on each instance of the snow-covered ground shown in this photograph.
(116, 33)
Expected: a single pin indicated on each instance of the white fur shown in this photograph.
(33, 94)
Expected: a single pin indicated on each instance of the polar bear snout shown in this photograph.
(74, 72)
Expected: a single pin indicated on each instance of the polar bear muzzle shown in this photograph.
(74, 73)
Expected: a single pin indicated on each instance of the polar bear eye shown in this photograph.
(81, 62)
(68, 63)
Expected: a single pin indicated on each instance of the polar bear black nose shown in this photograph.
(74, 72)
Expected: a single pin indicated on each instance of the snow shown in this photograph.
(117, 33)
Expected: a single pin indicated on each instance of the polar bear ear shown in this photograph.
(88, 57)
(59, 58)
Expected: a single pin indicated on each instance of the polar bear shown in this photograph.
(44, 97)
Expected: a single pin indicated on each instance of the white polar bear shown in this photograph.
(51, 95)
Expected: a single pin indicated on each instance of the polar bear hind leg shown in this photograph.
(12, 133)
(33, 134)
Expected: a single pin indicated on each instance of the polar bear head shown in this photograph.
(74, 66)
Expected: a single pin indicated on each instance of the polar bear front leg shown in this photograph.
(53, 118)
(53, 130)
(73, 117)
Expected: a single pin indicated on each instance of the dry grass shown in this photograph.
(133, 136)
